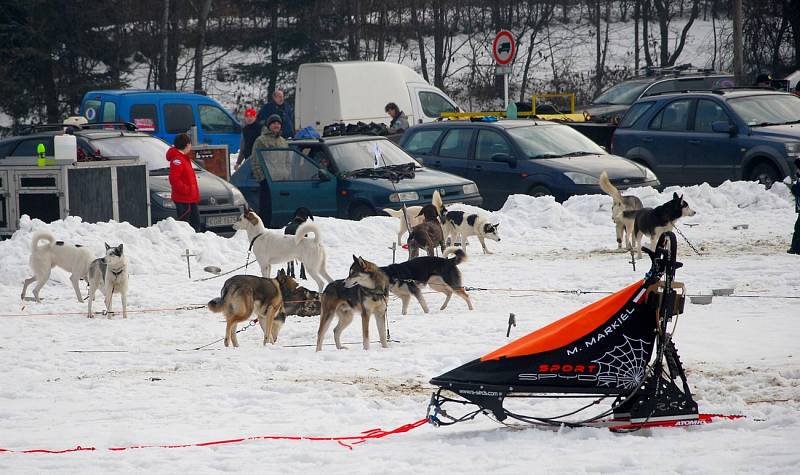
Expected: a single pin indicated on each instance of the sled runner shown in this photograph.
(618, 347)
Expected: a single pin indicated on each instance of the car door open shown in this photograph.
(294, 180)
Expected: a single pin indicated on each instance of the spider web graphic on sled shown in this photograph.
(624, 365)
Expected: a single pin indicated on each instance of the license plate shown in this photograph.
(213, 221)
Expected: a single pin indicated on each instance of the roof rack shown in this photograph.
(72, 128)
(130, 127)
(677, 70)
(717, 90)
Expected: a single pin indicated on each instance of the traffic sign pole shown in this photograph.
(505, 91)
(504, 48)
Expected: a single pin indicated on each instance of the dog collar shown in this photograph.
(117, 273)
(253, 241)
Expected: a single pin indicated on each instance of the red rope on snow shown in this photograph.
(346, 441)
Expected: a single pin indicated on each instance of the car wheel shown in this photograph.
(765, 174)
(540, 190)
(360, 211)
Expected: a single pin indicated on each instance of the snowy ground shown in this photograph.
(741, 353)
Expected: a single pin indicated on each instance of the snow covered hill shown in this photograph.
(68, 380)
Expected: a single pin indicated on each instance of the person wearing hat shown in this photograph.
(795, 246)
(270, 138)
(250, 133)
(764, 80)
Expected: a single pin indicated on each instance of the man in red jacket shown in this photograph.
(183, 181)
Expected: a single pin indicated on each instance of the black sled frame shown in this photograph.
(663, 395)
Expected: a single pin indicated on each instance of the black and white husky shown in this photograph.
(406, 279)
(655, 221)
(621, 204)
(109, 274)
(459, 224)
(73, 258)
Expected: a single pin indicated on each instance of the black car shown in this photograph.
(612, 104)
(508, 157)
(221, 203)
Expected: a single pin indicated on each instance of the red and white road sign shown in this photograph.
(504, 48)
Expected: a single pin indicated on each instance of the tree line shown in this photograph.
(53, 51)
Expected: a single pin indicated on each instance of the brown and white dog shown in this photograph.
(297, 300)
(365, 291)
(426, 235)
(271, 247)
(242, 295)
(413, 215)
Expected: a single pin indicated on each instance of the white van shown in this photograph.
(353, 91)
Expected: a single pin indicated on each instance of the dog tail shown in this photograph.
(395, 213)
(215, 305)
(42, 236)
(306, 228)
(461, 256)
(437, 201)
(609, 189)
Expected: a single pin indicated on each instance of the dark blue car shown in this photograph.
(727, 134)
(508, 157)
(347, 177)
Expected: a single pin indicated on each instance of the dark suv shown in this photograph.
(611, 104)
(521, 157)
(713, 136)
(220, 205)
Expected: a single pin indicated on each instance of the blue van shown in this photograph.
(165, 114)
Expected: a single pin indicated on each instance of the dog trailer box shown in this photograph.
(214, 158)
(96, 191)
(358, 91)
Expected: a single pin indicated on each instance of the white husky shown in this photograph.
(271, 247)
(73, 258)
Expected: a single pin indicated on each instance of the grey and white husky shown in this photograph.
(621, 204)
(109, 274)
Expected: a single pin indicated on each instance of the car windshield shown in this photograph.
(151, 150)
(353, 156)
(624, 93)
(553, 140)
(767, 109)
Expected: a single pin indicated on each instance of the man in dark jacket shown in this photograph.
(182, 179)
(795, 247)
(250, 133)
(279, 106)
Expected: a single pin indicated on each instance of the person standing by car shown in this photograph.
(270, 138)
(250, 133)
(399, 122)
(182, 179)
(764, 80)
(795, 247)
(278, 106)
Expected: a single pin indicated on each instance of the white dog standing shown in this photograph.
(109, 274)
(73, 258)
(271, 247)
